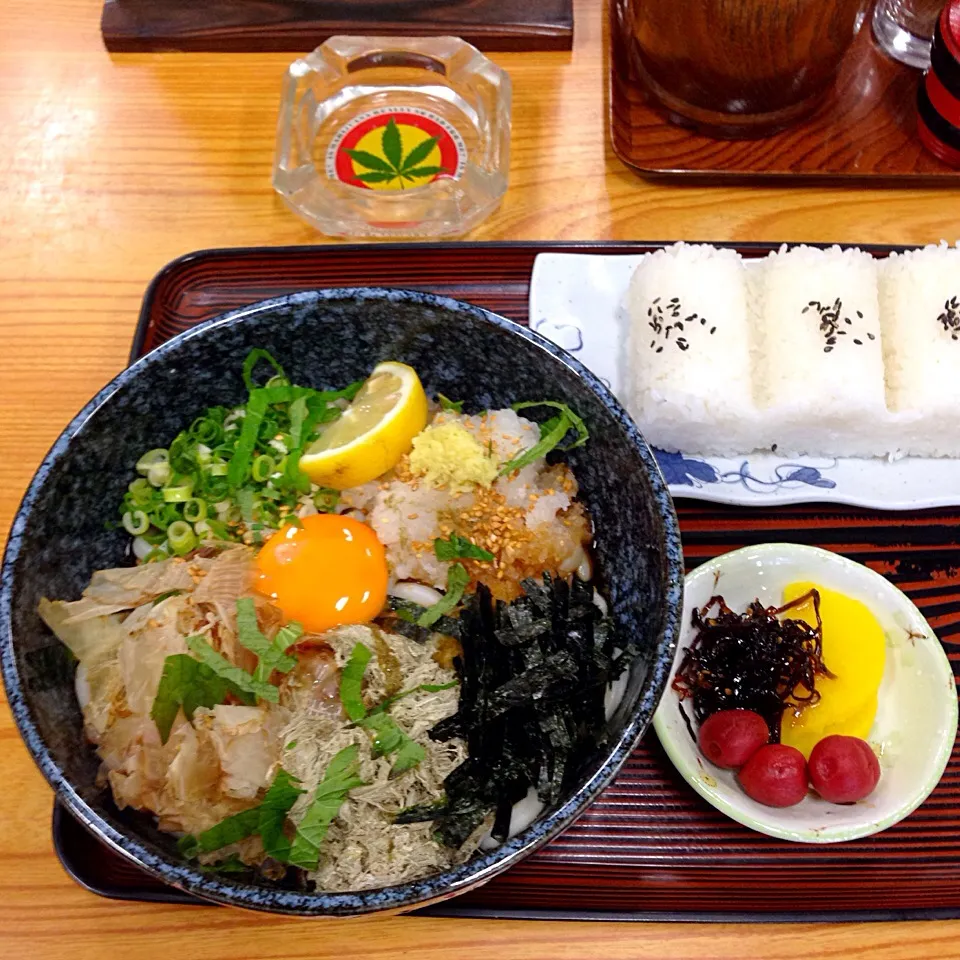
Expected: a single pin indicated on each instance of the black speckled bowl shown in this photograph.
(324, 339)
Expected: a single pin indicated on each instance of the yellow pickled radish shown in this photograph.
(807, 730)
(854, 651)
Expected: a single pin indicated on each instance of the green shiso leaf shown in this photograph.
(552, 434)
(457, 580)
(224, 669)
(351, 682)
(250, 363)
(388, 739)
(342, 776)
(232, 830)
(188, 683)
(270, 655)
(277, 802)
(265, 819)
(459, 548)
(233, 864)
(388, 702)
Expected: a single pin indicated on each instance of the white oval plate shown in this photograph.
(916, 723)
(575, 300)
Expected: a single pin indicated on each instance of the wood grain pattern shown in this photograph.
(300, 25)
(866, 128)
(109, 168)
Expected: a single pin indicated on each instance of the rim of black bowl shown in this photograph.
(397, 897)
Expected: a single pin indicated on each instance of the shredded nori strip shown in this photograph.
(758, 660)
(533, 675)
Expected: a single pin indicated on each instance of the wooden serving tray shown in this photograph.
(866, 130)
(301, 25)
(649, 847)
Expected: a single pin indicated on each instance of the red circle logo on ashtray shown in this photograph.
(387, 149)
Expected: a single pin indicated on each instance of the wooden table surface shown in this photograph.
(110, 167)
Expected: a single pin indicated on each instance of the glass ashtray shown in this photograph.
(393, 137)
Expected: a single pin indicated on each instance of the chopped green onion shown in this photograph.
(206, 430)
(182, 537)
(179, 491)
(136, 522)
(195, 509)
(142, 548)
(159, 473)
(218, 528)
(326, 499)
(165, 514)
(140, 490)
(216, 490)
(262, 467)
(243, 461)
(151, 458)
(453, 406)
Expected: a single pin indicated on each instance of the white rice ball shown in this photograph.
(689, 351)
(820, 363)
(920, 318)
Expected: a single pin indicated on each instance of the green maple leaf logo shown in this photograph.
(394, 165)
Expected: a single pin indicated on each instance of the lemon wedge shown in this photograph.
(375, 431)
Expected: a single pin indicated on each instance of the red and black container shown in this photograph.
(938, 99)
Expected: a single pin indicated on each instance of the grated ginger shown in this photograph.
(447, 455)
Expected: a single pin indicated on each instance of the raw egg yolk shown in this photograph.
(854, 651)
(329, 571)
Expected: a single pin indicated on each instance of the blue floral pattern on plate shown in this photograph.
(680, 470)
